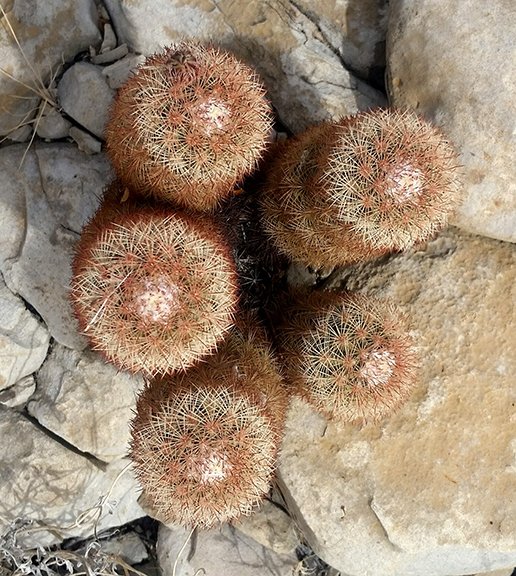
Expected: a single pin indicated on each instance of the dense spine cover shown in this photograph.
(204, 443)
(371, 184)
(191, 123)
(349, 356)
(153, 289)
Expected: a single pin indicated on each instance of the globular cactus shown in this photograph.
(373, 183)
(153, 289)
(349, 356)
(188, 125)
(204, 443)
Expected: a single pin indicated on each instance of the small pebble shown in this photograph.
(117, 73)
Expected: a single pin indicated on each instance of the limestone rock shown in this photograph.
(85, 142)
(116, 74)
(49, 33)
(52, 125)
(43, 206)
(86, 402)
(23, 339)
(42, 479)
(506, 572)
(429, 490)
(355, 30)
(19, 393)
(304, 76)
(109, 39)
(271, 527)
(85, 96)
(219, 551)
(454, 64)
(111, 56)
(129, 547)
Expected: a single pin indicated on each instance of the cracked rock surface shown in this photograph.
(303, 73)
(50, 33)
(23, 339)
(44, 205)
(220, 551)
(44, 480)
(85, 401)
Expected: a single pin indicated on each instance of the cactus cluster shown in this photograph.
(156, 288)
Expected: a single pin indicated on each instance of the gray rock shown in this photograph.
(49, 33)
(219, 551)
(506, 572)
(112, 55)
(43, 480)
(86, 402)
(85, 96)
(17, 395)
(109, 39)
(52, 126)
(23, 339)
(454, 63)
(129, 547)
(304, 76)
(355, 30)
(43, 206)
(271, 527)
(116, 74)
(86, 143)
(426, 491)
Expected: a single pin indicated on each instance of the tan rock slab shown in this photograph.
(454, 63)
(431, 489)
(86, 401)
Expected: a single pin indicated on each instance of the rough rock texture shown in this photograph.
(303, 73)
(52, 125)
(43, 206)
(116, 74)
(219, 551)
(355, 30)
(129, 547)
(19, 393)
(86, 402)
(455, 63)
(49, 33)
(271, 527)
(431, 490)
(23, 339)
(85, 96)
(42, 479)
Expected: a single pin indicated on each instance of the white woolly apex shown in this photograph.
(156, 299)
(377, 368)
(403, 182)
(214, 114)
(214, 468)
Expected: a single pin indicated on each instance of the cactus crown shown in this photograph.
(204, 443)
(188, 125)
(392, 177)
(349, 355)
(153, 290)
